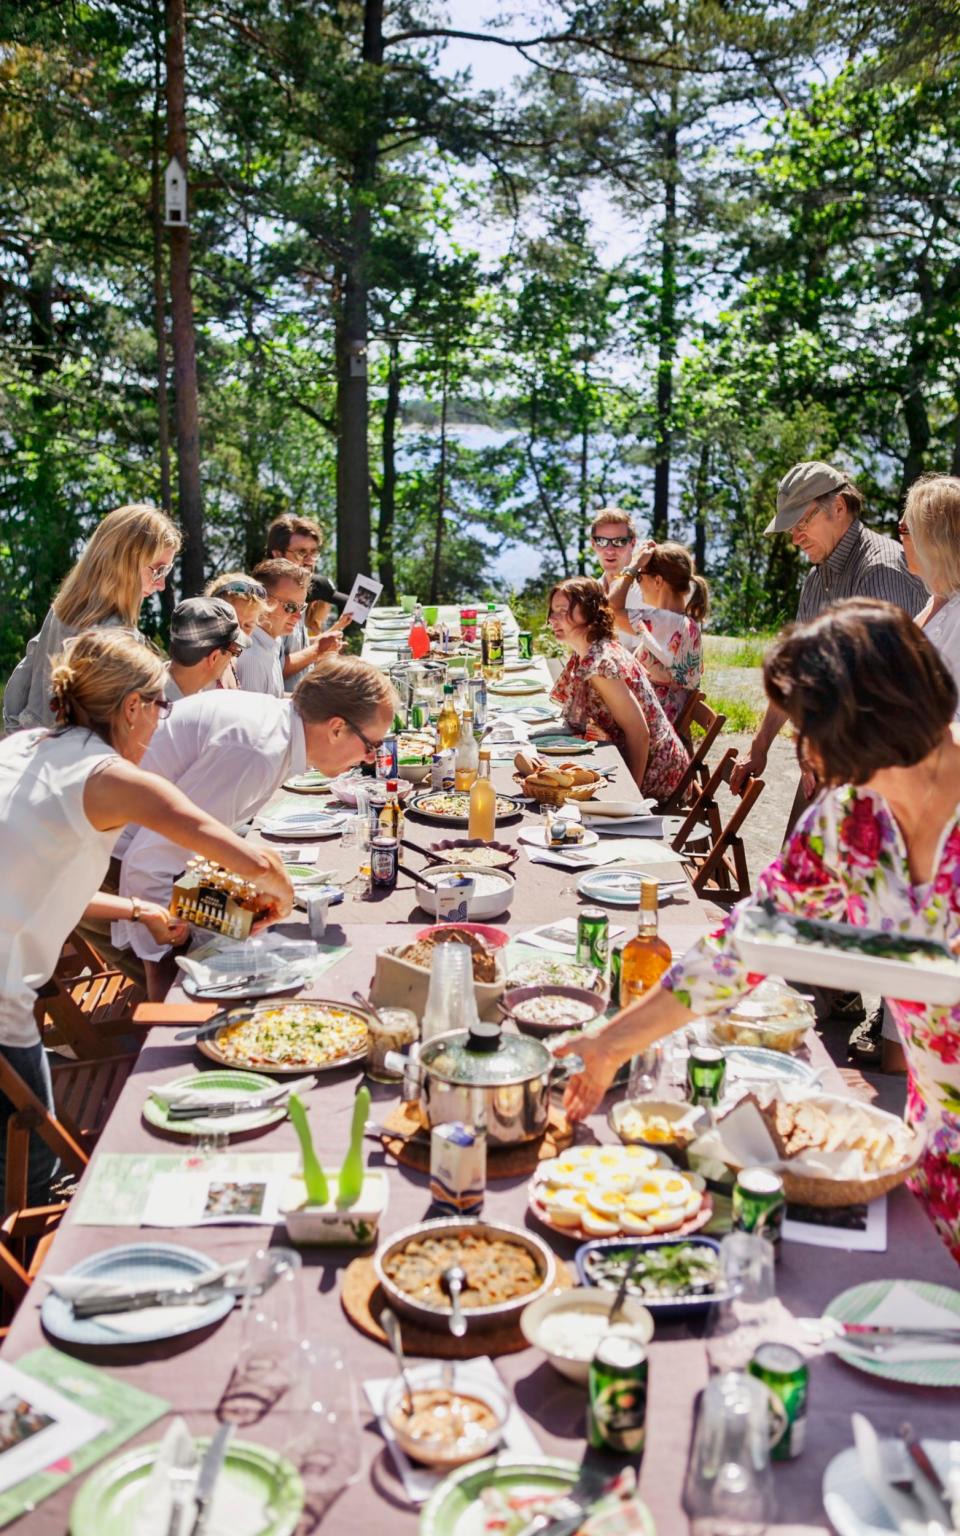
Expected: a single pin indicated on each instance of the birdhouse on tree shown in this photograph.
(175, 193)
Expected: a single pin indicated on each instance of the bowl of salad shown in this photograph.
(671, 1278)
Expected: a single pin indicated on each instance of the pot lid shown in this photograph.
(484, 1054)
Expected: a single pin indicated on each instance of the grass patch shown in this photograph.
(741, 714)
(741, 651)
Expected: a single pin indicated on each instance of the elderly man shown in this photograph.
(298, 540)
(613, 539)
(819, 507)
(205, 635)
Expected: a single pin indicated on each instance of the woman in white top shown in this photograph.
(675, 598)
(129, 558)
(65, 794)
(931, 525)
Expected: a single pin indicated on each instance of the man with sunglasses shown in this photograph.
(298, 540)
(205, 636)
(613, 539)
(260, 669)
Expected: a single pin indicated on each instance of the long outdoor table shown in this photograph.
(192, 1373)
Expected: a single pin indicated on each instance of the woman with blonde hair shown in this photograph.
(675, 605)
(604, 691)
(931, 522)
(65, 794)
(250, 600)
(128, 558)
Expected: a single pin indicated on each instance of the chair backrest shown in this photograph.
(711, 848)
(696, 711)
(88, 1011)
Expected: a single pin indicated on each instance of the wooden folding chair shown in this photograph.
(25, 1238)
(714, 856)
(87, 1005)
(697, 772)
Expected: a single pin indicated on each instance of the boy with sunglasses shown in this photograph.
(613, 539)
(260, 668)
(205, 636)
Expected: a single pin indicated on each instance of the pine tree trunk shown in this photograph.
(386, 564)
(666, 328)
(700, 510)
(441, 482)
(353, 454)
(583, 509)
(190, 500)
(167, 598)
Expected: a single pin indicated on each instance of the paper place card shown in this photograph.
(363, 597)
(561, 937)
(38, 1426)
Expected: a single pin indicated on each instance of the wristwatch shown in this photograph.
(136, 910)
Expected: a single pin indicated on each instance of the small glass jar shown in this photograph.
(394, 1029)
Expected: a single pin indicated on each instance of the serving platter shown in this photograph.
(425, 804)
(269, 1024)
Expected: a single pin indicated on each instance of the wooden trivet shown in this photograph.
(362, 1298)
(502, 1162)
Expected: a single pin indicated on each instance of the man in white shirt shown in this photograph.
(260, 669)
(230, 752)
(205, 636)
(613, 539)
(298, 539)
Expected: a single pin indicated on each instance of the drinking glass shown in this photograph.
(645, 1070)
(729, 1485)
(327, 1448)
(737, 1324)
(271, 1329)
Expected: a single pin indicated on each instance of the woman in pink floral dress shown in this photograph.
(604, 691)
(872, 704)
(675, 605)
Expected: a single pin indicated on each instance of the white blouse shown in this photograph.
(943, 631)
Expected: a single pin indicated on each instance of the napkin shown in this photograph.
(898, 1506)
(419, 1482)
(269, 957)
(238, 1506)
(141, 1320)
(201, 1098)
(906, 1308)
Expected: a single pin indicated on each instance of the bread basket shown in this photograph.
(538, 787)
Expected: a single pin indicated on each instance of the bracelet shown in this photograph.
(136, 910)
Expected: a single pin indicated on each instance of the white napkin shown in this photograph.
(898, 1507)
(143, 1319)
(269, 957)
(201, 1098)
(174, 1472)
(419, 1482)
(905, 1308)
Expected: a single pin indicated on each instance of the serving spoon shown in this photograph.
(452, 1281)
(391, 1327)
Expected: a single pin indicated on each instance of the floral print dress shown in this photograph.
(846, 861)
(671, 653)
(586, 712)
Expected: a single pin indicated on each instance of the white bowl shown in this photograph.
(414, 773)
(330, 1225)
(480, 907)
(636, 1321)
(432, 1453)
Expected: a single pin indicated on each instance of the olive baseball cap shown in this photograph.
(200, 625)
(799, 486)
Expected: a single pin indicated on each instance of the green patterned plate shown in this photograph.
(454, 1509)
(253, 1479)
(231, 1084)
(857, 1305)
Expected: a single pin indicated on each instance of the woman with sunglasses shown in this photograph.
(65, 795)
(129, 558)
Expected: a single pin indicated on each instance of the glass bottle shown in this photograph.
(418, 639)
(468, 754)
(647, 956)
(448, 722)
(391, 814)
(483, 803)
(491, 644)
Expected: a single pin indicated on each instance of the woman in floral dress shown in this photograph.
(604, 691)
(675, 605)
(873, 705)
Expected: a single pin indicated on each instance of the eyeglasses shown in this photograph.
(243, 589)
(903, 529)
(803, 523)
(613, 541)
(293, 607)
(163, 706)
(234, 649)
(559, 613)
(160, 572)
(371, 748)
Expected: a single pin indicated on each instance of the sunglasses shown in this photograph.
(243, 589)
(371, 748)
(163, 706)
(293, 607)
(613, 541)
(160, 572)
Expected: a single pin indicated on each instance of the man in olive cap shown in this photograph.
(204, 637)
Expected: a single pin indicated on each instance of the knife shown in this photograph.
(225, 1107)
(183, 1296)
(210, 1470)
(935, 1490)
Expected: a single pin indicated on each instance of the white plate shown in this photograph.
(516, 686)
(846, 971)
(538, 836)
(748, 1064)
(297, 824)
(620, 887)
(854, 1510)
(232, 994)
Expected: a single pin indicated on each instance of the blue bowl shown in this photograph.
(675, 1307)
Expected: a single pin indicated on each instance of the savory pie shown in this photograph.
(307, 1035)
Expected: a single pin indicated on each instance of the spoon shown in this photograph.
(365, 1002)
(452, 1281)
(405, 869)
(616, 1311)
(391, 1327)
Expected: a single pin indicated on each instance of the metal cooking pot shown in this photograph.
(484, 1076)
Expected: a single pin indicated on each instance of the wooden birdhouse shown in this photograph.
(175, 193)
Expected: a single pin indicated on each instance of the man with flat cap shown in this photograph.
(820, 508)
(204, 637)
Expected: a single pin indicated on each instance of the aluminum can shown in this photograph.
(384, 855)
(436, 772)
(449, 776)
(759, 1203)
(388, 758)
(593, 938)
(617, 1410)
(706, 1070)
(784, 1373)
(419, 715)
(477, 699)
(458, 1168)
(524, 644)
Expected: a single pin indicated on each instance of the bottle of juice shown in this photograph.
(418, 639)
(647, 956)
(468, 754)
(448, 722)
(483, 803)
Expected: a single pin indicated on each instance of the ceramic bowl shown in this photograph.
(637, 1321)
(433, 1453)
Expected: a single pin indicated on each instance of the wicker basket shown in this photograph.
(806, 1190)
(554, 794)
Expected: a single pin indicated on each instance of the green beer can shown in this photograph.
(617, 1409)
(759, 1203)
(524, 644)
(593, 938)
(784, 1373)
(706, 1070)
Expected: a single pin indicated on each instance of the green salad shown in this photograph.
(664, 1273)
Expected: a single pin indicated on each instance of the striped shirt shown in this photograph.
(864, 564)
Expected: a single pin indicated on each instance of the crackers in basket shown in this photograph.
(806, 1125)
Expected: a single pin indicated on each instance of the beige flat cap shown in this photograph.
(799, 486)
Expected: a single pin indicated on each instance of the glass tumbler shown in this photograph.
(737, 1324)
(729, 1488)
(271, 1328)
